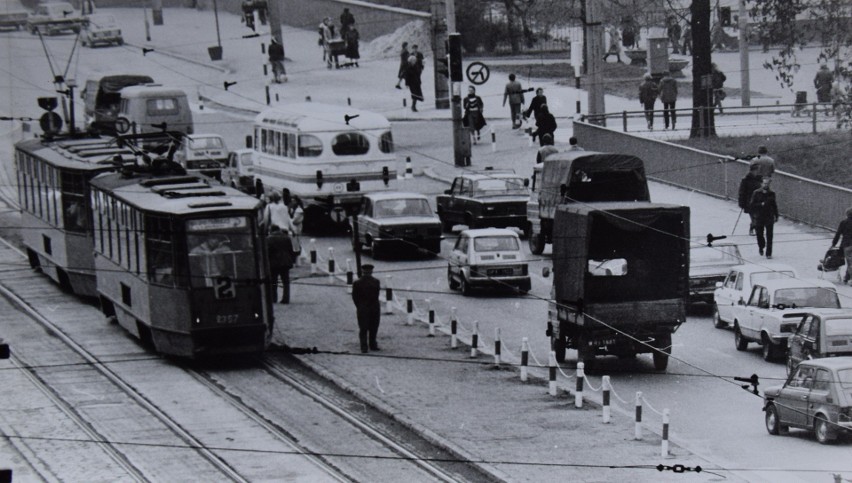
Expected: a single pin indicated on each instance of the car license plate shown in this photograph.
(499, 272)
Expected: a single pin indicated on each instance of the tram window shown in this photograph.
(310, 146)
(350, 144)
(386, 142)
(159, 254)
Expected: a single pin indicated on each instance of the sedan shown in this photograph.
(817, 396)
(399, 221)
(737, 287)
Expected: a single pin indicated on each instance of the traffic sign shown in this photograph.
(50, 122)
(477, 73)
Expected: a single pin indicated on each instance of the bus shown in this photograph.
(327, 155)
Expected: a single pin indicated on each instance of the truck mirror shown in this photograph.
(545, 272)
(248, 141)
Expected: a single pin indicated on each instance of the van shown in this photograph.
(203, 153)
(152, 108)
(102, 97)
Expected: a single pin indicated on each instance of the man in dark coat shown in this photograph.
(365, 294)
(403, 65)
(648, 92)
(717, 81)
(535, 104)
(346, 21)
(545, 123)
(822, 83)
(668, 94)
(280, 248)
(764, 209)
(412, 79)
(514, 93)
(276, 58)
(844, 236)
(748, 185)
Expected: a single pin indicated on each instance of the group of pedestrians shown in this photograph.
(757, 199)
(666, 91)
(410, 70)
(347, 44)
(282, 220)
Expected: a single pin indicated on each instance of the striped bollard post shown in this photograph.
(497, 346)
(313, 256)
(637, 434)
(431, 318)
(409, 308)
(606, 386)
(551, 364)
(493, 139)
(404, 102)
(578, 396)
(409, 171)
(388, 296)
(331, 264)
(454, 327)
(474, 340)
(525, 358)
(664, 451)
(350, 277)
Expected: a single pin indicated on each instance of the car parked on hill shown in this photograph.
(817, 396)
(821, 333)
(488, 257)
(737, 287)
(238, 173)
(770, 315)
(101, 28)
(489, 198)
(397, 221)
(54, 17)
(709, 265)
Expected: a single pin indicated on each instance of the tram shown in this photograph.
(328, 155)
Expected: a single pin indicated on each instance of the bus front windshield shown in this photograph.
(220, 248)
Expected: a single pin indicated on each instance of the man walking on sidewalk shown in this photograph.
(765, 211)
(365, 294)
(514, 93)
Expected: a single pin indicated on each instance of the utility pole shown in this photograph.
(744, 78)
(443, 21)
(461, 136)
(593, 35)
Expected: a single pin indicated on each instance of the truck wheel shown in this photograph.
(536, 243)
(586, 354)
(663, 344)
(557, 344)
(739, 341)
(717, 322)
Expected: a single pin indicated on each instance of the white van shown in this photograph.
(203, 153)
(102, 96)
(152, 108)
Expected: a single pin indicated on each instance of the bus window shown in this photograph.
(350, 144)
(310, 146)
(162, 106)
(291, 145)
(386, 142)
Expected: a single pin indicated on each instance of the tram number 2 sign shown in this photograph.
(223, 288)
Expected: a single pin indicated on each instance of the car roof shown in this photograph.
(842, 313)
(795, 283)
(830, 362)
(394, 195)
(477, 232)
(203, 136)
(764, 267)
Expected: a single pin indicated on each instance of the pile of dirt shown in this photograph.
(389, 45)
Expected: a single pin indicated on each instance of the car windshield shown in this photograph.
(838, 326)
(722, 254)
(499, 186)
(402, 207)
(845, 376)
(496, 243)
(807, 297)
(205, 143)
(758, 277)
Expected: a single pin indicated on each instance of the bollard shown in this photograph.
(348, 101)
(624, 121)
(637, 435)
(525, 358)
(331, 264)
(454, 323)
(388, 296)
(551, 363)
(409, 307)
(497, 346)
(606, 386)
(814, 118)
(307, 98)
(265, 71)
(409, 172)
(474, 340)
(349, 275)
(404, 101)
(493, 139)
(276, 97)
(431, 318)
(664, 451)
(578, 396)
(313, 255)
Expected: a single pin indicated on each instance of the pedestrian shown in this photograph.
(668, 94)
(327, 29)
(628, 33)
(838, 102)
(648, 92)
(573, 146)
(248, 13)
(296, 209)
(415, 51)
(765, 164)
(764, 209)
(673, 31)
(365, 294)
(403, 65)
(281, 255)
(277, 214)
(844, 230)
(535, 104)
(614, 44)
(822, 82)
(347, 20)
(276, 59)
(547, 148)
(473, 113)
(352, 38)
(748, 185)
(687, 39)
(412, 80)
(514, 93)
(717, 81)
(545, 123)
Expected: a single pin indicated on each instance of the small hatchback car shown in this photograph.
(821, 333)
(817, 396)
(101, 29)
(488, 257)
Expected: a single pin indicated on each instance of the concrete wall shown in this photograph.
(799, 199)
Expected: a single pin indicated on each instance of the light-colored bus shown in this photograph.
(327, 155)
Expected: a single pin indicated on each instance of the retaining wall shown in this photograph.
(799, 199)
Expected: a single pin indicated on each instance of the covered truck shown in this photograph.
(580, 176)
(620, 279)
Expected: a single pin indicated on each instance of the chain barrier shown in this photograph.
(650, 407)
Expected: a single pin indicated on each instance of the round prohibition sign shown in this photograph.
(477, 73)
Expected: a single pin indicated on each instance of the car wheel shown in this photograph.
(717, 321)
(451, 281)
(84, 43)
(663, 344)
(536, 243)
(375, 250)
(823, 430)
(773, 422)
(768, 349)
(464, 286)
(739, 341)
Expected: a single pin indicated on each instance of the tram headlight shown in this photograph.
(198, 320)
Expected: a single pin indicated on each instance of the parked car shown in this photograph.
(709, 265)
(487, 199)
(238, 172)
(817, 396)
(821, 333)
(488, 257)
(397, 221)
(770, 315)
(13, 14)
(737, 287)
(101, 28)
(204, 153)
(55, 17)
